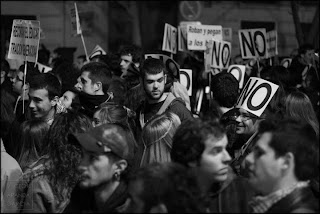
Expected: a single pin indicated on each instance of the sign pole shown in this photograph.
(24, 84)
(84, 46)
(258, 72)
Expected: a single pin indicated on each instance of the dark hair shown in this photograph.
(98, 72)
(152, 66)
(5, 66)
(67, 74)
(133, 50)
(304, 48)
(290, 135)
(189, 140)
(46, 81)
(33, 133)
(171, 184)
(225, 88)
(64, 151)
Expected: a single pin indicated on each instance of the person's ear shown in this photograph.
(97, 86)
(3, 74)
(137, 64)
(165, 79)
(288, 161)
(120, 166)
(54, 101)
(159, 208)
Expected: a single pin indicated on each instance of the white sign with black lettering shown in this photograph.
(286, 62)
(256, 95)
(199, 35)
(227, 34)
(253, 43)
(97, 51)
(186, 79)
(238, 71)
(272, 43)
(171, 65)
(218, 54)
(43, 68)
(169, 42)
(75, 21)
(182, 35)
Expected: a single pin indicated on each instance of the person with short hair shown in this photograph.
(281, 165)
(201, 146)
(104, 164)
(164, 188)
(130, 54)
(44, 93)
(93, 84)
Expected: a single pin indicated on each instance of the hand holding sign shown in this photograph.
(256, 95)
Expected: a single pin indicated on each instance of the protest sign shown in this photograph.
(253, 43)
(169, 39)
(218, 54)
(272, 43)
(24, 41)
(186, 79)
(97, 51)
(227, 34)
(199, 98)
(256, 95)
(171, 66)
(286, 62)
(199, 35)
(182, 35)
(238, 71)
(43, 68)
(75, 21)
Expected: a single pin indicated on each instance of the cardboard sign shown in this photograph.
(199, 98)
(169, 39)
(286, 62)
(97, 51)
(199, 35)
(186, 79)
(24, 41)
(227, 34)
(182, 35)
(253, 43)
(218, 54)
(43, 68)
(256, 95)
(238, 71)
(169, 63)
(75, 21)
(272, 43)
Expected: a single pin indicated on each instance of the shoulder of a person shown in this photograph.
(303, 210)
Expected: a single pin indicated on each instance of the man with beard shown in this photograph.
(93, 84)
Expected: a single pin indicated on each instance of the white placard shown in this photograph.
(253, 43)
(199, 35)
(24, 41)
(169, 42)
(272, 43)
(171, 65)
(186, 79)
(182, 35)
(256, 95)
(43, 68)
(218, 54)
(238, 71)
(97, 51)
(75, 21)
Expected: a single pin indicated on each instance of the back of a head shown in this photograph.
(5, 66)
(161, 128)
(98, 72)
(113, 113)
(46, 81)
(152, 66)
(170, 184)
(67, 74)
(225, 88)
(299, 138)
(189, 140)
(305, 47)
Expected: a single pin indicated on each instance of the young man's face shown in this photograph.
(40, 104)
(126, 60)
(85, 83)
(264, 168)
(154, 85)
(67, 98)
(95, 169)
(308, 56)
(96, 119)
(17, 83)
(215, 159)
(245, 123)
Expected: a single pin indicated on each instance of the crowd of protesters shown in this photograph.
(119, 134)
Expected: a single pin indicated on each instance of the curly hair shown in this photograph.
(133, 50)
(64, 152)
(171, 184)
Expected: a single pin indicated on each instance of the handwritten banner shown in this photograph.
(199, 35)
(272, 41)
(75, 21)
